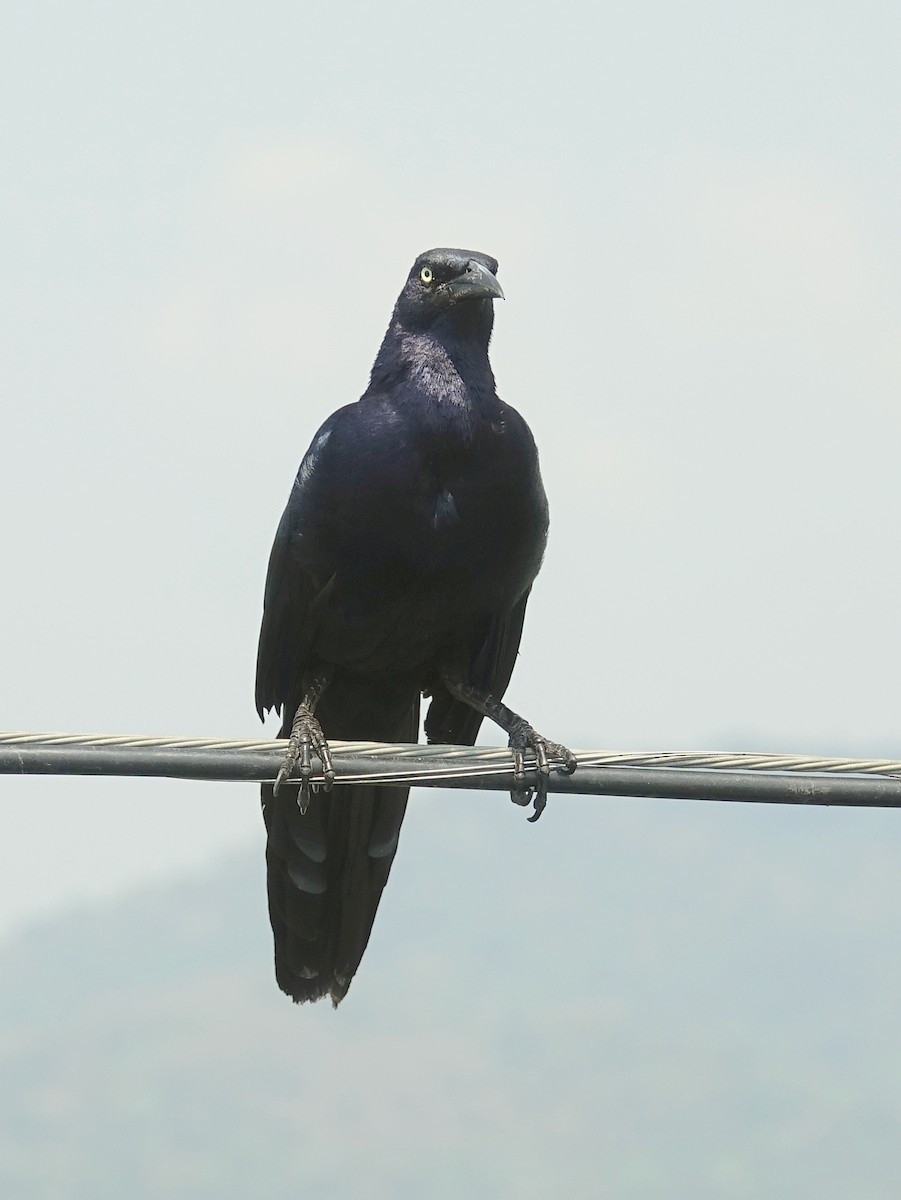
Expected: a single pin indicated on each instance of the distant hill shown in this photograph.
(630, 999)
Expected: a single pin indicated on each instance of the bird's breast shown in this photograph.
(442, 507)
(445, 511)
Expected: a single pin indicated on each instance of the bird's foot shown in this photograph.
(306, 737)
(523, 737)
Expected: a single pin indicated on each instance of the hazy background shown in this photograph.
(208, 210)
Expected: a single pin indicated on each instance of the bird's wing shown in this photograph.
(326, 867)
(494, 649)
(297, 590)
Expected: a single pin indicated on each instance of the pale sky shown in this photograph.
(209, 210)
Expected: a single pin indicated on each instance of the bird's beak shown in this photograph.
(475, 283)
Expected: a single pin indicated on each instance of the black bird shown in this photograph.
(401, 567)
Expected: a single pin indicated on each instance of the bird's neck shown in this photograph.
(447, 376)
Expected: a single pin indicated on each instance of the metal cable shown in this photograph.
(771, 778)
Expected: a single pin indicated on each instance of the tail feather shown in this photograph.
(326, 870)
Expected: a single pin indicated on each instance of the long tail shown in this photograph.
(327, 867)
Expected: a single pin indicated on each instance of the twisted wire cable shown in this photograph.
(770, 778)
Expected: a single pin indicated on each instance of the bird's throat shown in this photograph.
(448, 377)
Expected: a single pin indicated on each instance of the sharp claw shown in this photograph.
(540, 805)
(544, 772)
(328, 769)
(519, 770)
(541, 757)
(519, 795)
(568, 761)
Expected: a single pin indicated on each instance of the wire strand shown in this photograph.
(766, 778)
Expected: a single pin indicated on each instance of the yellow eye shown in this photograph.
(426, 274)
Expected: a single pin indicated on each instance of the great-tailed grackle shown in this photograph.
(401, 566)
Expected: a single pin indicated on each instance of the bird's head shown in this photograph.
(456, 286)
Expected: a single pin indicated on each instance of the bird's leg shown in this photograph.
(306, 736)
(521, 737)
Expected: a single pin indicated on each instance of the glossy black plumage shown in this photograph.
(410, 541)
